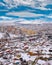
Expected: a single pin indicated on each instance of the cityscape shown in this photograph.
(32, 43)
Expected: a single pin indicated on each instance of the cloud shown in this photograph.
(5, 18)
(28, 15)
(32, 9)
(43, 8)
(32, 3)
(2, 4)
(15, 3)
(50, 16)
(24, 14)
(37, 21)
(8, 20)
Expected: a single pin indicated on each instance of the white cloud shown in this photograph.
(32, 3)
(24, 14)
(50, 16)
(41, 0)
(14, 3)
(22, 21)
(6, 22)
(6, 18)
(2, 4)
(25, 22)
(37, 21)
(43, 8)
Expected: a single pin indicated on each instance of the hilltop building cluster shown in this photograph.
(30, 48)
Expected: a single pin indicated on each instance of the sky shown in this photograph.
(26, 11)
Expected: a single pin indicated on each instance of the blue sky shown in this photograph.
(36, 11)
